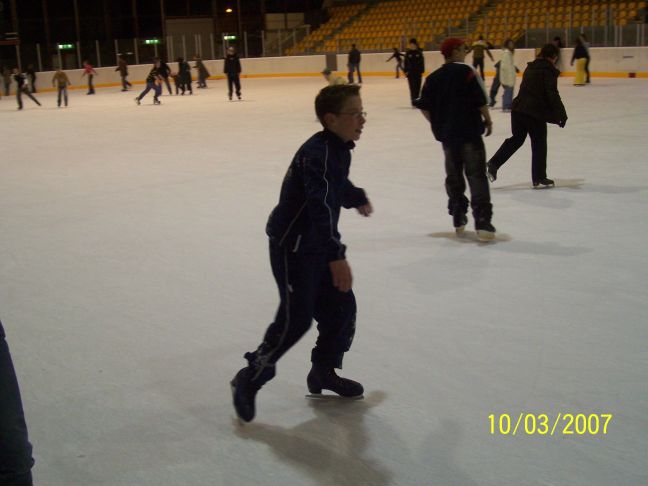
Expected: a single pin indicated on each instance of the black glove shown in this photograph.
(562, 123)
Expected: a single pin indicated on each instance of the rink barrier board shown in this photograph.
(568, 74)
(613, 62)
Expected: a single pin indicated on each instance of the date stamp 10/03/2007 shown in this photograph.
(544, 424)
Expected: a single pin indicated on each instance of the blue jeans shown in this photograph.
(157, 90)
(15, 450)
(507, 97)
(469, 158)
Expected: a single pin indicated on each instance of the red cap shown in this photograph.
(449, 45)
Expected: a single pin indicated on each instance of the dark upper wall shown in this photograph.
(114, 19)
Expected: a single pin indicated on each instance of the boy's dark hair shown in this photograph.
(548, 51)
(332, 98)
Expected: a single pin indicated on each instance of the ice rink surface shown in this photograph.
(134, 275)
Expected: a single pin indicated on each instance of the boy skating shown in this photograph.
(537, 104)
(307, 257)
(153, 82)
(453, 100)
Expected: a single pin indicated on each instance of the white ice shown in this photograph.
(134, 275)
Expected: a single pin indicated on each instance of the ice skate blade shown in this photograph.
(332, 397)
(460, 231)
(485, 235)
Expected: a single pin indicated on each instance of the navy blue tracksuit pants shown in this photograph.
(306, 291)
(15, 450)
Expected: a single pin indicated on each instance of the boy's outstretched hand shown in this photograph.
(365, 209)
(341, 273)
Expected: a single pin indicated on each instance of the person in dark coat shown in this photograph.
(184, 72)
(453, 100)
(165, 72)
(399, 60)
(203, 73)
(6, 79)
(308, 258)
(122, 67)
(414, 68)
(353, 63)
(16, 459)
(31, 76)
(537, 104)
(232, 67)
(21, 88)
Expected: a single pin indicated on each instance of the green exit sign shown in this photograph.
(64, 47)
(229, 37)
(151, 41)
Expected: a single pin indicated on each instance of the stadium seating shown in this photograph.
(379, 26)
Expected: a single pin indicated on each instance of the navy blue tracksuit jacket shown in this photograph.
(314, 189)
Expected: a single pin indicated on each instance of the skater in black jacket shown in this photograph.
(21, 88)
(184, 72)
(414, 68)
(454, 101)
(203, 73)
(153, 82)
(308, 258)
(353, 63)
(31, 77)
(165, 72)
(399, 61)
(537, 104)
(232, 67)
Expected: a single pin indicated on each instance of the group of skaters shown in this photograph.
(159, 75)
(161, 72)
(307, 256)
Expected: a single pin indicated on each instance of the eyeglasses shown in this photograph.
(357, 114)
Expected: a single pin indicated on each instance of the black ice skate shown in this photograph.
(491, 172)
(244, 392)
(459, 221)
(543, 183)
(156, 101)
(137, 100)
(485, 230)
(324, 378)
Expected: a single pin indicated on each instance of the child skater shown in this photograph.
(153, 82)
(61, 81)
(89, 71)
(399, 60)
(453, 100)
(308, 258)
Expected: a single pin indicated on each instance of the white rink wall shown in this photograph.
(606, 62)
